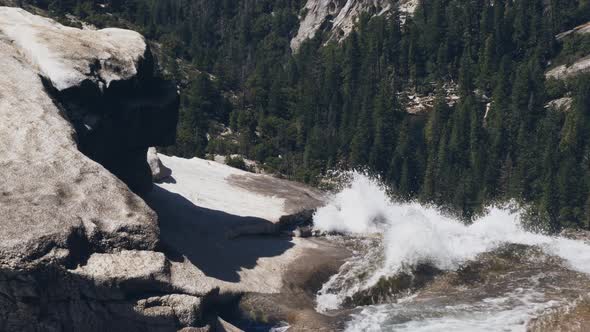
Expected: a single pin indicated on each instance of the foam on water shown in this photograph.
(413, 234)
(507, 313)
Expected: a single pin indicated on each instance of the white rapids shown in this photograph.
(412, 234)
(506, 313)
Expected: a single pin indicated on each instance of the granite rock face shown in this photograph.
(577, 67)
(53, 198)
(105, 83)
(563, 72)
(77, 247)
(338, 17)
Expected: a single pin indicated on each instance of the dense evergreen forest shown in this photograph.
(342, 105)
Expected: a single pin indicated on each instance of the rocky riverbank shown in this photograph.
(241, 233)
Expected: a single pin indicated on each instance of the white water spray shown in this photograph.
(414, 234)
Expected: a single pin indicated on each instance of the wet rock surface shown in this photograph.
(489, 274)
(574, 317)
(511, 277)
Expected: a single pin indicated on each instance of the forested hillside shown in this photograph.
(345, 105)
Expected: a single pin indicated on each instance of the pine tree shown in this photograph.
(432, 135)
(362, 139)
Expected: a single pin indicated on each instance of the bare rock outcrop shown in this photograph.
(580, 66)
(185, 308)
(563, 104)
(563, 72)
(339, 16)
(78, 249)
(53, 198)
(581, 30)
(132, 271)
(104, 82)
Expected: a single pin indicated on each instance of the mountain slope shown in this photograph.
(447, 105)
(339, 17)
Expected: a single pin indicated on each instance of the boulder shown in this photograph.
(159, 171)
(197, 329)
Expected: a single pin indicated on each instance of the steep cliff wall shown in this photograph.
(339, 16)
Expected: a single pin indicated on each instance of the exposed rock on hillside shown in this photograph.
(581, 29)
(564, 71)
(562, 104)
(420, 104)
(340, 16)
(579, 64)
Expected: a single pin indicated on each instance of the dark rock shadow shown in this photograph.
(50, 298)
(168, 179)
(204, 236)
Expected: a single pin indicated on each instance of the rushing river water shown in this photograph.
(488, 276)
